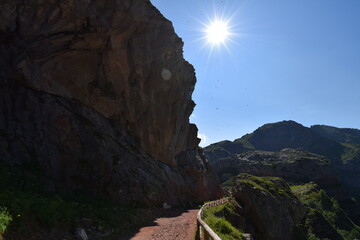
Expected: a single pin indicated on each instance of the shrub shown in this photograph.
(5, 219)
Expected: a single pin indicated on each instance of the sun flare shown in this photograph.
(217, 32)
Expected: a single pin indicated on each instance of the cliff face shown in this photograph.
(269, 205)
(120, 58)
(98, 94)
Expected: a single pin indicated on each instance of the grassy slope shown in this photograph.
(321, 205)
(323, 210)
(267, 184)
(217, 219)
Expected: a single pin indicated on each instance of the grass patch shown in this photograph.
(273, 185)
(303, 192)
(228, 184)
(217, 219)
(5, 219)
(351, 152)
(224, 229)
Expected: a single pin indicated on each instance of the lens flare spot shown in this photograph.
(166, 74)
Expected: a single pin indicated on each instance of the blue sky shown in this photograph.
(287, 60)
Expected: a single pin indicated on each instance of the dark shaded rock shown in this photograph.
(97, 93)
(78, 147)
(110, 56)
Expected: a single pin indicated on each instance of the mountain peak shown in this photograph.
(284, 134)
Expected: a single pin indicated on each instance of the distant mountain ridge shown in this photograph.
(341, 145)
(343, 135)
(280, 135)
(298, 154)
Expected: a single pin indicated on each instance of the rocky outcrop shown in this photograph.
(270, 207)
(292, 164)
(98, 94)
(274, 211)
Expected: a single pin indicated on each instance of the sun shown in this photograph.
(217, 32)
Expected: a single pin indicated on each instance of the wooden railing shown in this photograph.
(204, 231)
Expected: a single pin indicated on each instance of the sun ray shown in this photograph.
(219, 31)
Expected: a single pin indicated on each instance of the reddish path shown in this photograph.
(181, 227)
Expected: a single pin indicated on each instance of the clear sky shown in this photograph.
(286, 60)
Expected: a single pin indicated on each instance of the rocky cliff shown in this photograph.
(273, 210)
(269, 205)
(98, 95)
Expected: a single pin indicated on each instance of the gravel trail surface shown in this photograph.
(179, 227)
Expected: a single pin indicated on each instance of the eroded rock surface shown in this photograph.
(270, 206)
(99, 95)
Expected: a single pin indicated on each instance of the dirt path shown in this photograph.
(180, 227)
